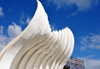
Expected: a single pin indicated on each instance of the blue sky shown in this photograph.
(81, 16)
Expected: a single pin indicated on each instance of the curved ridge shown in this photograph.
(37, 47)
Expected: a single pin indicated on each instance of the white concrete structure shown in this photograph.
(37, 47)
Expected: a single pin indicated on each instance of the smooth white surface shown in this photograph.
(37, 47)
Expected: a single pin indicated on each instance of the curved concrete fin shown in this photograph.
(37, 47)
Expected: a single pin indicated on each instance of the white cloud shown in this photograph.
(91, 63)
(90, 56)
(1, 29)
(53, 27)
(1, 12)
(81, 4)
(2, 38)
(3, 41)
(28, 20)
(13, 31)
(92, 41)
(22, 21)
(82, 48)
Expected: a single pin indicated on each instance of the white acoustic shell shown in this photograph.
(37, 47)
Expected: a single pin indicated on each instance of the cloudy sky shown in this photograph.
(81, 16)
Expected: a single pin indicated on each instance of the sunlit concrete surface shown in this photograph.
(37, 47)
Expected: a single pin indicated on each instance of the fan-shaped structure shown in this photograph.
(37, 47)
